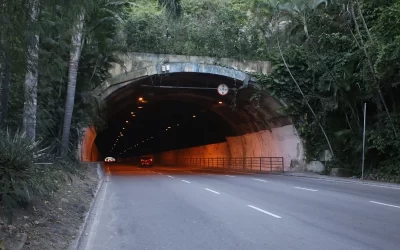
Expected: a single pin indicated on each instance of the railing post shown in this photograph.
(270, 163)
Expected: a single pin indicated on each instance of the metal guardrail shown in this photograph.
(262, 164)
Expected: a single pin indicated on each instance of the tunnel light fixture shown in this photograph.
(126, 121)
(220, 102)
(140, 98)
(140, 107)
(177, 124)
(194, 116)
(123, 128)
(133, 115)
(169, 127)
(142, 141)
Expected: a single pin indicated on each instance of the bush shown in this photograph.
(21, 179)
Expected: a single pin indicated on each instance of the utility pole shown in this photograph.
(363, 146)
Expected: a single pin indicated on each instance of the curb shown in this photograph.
(77, 242)
(333, 179)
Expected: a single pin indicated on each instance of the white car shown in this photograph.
(109, 159)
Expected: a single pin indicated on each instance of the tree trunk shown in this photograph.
(75, 54)
(5, 83)
(31, 76)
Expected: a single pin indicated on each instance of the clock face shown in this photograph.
(223, 89)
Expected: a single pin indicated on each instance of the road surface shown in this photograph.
(190, 209)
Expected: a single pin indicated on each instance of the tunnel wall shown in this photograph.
(277, 142)
(217, 150)
(88, 151)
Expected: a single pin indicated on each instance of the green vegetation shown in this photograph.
(348, 57)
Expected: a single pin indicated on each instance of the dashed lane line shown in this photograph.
(307, 189)
(259, 180)
(265, 212)
(212, 191)
(384, 204)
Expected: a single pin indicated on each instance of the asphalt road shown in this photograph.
(188, 208)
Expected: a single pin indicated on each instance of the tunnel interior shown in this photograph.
(163, 113)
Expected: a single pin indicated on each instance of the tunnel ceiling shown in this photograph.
(177, 112)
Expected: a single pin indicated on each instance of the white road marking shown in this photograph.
(381, 186)
(353, 182)
(230, 175)
(186, 181)
(308, 189)
(259, 180)
(215, 192)
(170, 176)
(384, 204)
(265, 212)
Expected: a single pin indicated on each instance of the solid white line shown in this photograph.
(381, 186)
(230, 175)
(265, 212)
(384, 204)
(186, 181)
(357, 182)
(308, 189)
(170, 176)
(259, 180)
(215, 192)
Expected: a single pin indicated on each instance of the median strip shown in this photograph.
(212, 191)
(186, 181)
(384, 204)
(265, 212)
(308, 189)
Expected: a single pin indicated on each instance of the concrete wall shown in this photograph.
(217, 150)
(278, 142)
(87, 151)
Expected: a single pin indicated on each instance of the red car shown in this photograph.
(146, 161)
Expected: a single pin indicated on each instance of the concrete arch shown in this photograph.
(261, 130)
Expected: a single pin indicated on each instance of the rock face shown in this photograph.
(316, 167)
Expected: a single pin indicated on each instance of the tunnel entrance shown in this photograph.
(181, 114)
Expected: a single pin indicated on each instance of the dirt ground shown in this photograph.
(53, 223)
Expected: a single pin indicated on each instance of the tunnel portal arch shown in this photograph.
(259, 128)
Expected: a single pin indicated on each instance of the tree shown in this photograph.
(31, 76)
(75, 54)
